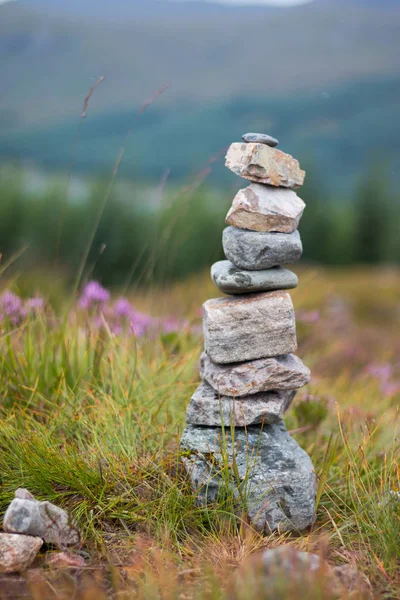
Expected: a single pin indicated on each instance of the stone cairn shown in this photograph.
(235, 435)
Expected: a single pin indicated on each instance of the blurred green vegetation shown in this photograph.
(138, 241)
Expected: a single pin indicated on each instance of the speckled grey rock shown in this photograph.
(262, 164)
(265, 208)
(256, 250)
(232, 280)
(291, 562)
(43, 519)
(286, 372)
(207, 407)
(275, 476)
(260, 138)
(17, 553)
(240, 328)
(23, 516)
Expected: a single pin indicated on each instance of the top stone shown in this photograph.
(260, 138)
(263, 164)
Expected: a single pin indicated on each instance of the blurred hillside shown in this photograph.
(323, 77)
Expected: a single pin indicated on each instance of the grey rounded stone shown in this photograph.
(258, 250)
(285, 372)
(260, 138)
(207, 407)
(23, 516)
(232, 280)
(275, 482)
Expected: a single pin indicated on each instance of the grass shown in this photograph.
(92, 422)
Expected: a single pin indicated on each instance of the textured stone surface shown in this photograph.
(207, 407)
(256, 250)
(17, 552)
(260, 138)
(286, 372)
(65, 560)
(51, 523)
(265, 208)
(24, 494)
(263, 164)
(232, 280)
(275, 476)
(23, 516)
(243, 328)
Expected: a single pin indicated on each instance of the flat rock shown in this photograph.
(243, 328)
(232, 280)
(265, 208)
(207, 407)
(286, 372)
(17, 552)
(256, 250)
(263, 164)
(25, 515)
(275, 482)
(260, 138)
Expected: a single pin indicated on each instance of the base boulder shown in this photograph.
(275, 477)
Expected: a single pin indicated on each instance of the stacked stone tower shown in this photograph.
(235, 435)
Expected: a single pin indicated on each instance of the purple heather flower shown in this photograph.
(34, 304)
(123, 308)
(11, 307)
(140, 323)
(93, 294)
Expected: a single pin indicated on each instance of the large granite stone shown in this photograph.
(232, 280)
(263, 164)
(265, 208)
(207, 407)
(286, 372)
(256, 250)
(17, 552)
(243, 328)
(273, 480)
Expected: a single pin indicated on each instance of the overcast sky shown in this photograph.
(261, 2)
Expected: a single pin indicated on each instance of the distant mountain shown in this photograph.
(338, 135)
(321, 76)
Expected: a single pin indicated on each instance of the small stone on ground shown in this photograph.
(44, 519)
(17, 552)
(65, 560)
